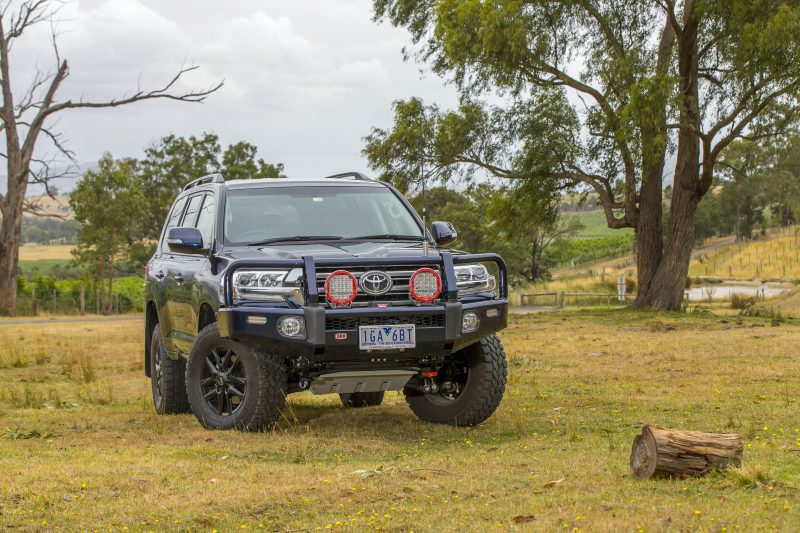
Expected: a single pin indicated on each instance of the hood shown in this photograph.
(328, 250)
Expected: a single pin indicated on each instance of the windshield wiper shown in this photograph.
(388, 236)
(297, 238)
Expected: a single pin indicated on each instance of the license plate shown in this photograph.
(392, 337)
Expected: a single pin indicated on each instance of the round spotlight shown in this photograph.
(470, 321)
(341, 287)
(292, 326)
(425, 285)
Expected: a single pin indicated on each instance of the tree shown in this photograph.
(174, 161)
(655, 75)
(108, 202)
(528, 220)
(466, 210)
(28, 119)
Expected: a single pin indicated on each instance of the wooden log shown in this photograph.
(671, 453)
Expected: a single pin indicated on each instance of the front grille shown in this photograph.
(352, 322)
(398, 295)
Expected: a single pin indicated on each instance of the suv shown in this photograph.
(261, 288)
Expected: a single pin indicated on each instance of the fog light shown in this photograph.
(256, 320)
(491, 313)
(470, 322)
(292, 326)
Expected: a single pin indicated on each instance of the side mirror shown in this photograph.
(185, 240)
(444, 233)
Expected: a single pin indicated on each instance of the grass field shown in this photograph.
(34, 252)
(595, 225)
(83, 449)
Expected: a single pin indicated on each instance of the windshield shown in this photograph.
(304, 212)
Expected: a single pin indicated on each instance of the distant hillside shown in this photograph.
(595, 225)
(62, 185)
(58, 205)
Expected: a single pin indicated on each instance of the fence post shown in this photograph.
(54, 301)
(83, 299)
(561, 303)
(96, 301)
(33, 300)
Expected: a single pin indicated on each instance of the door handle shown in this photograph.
(160, 274)
(179, 278)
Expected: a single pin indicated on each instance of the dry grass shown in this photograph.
(84, 449)
(776, 257)
(36, 252)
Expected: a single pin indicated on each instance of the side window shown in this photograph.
(190, 216)
(205, 222)
(175, 214)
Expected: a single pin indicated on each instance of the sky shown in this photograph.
(305, 80)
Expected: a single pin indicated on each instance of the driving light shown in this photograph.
(472, 279)
(292, 326)
(425, 285)
(341, 287)
(267, 285)
(470, 321)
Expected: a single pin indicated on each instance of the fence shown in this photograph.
(563, 298)
(54, 301)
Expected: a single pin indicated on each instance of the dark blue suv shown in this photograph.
(261, 288)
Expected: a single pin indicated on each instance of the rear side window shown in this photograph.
(205, 222)
(175, 214)
(191, 211)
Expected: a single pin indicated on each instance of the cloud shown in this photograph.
(303, 80)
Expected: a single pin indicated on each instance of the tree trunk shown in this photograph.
(665, 291)
(10, 230)
(670, 453)
(649, 238)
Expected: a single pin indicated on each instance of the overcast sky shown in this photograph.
(304, 80)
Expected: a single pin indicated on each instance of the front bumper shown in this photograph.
(332, 334)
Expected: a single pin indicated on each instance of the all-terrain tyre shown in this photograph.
(482, 371)
(233, 385)
(167, 378)
(361, 399)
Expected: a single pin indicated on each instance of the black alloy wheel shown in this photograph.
(224, 381)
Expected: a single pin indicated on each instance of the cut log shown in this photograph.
(671, 453)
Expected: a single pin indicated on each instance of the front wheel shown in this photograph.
(232, 385)
(471, 384)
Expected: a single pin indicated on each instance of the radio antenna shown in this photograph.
(421, 163)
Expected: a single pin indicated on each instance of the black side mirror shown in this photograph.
(185, 240)
(444, 233)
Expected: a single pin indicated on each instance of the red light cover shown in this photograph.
(341, 287)
(425, 285)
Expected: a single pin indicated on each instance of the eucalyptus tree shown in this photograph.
(28, 120)
(611, 87)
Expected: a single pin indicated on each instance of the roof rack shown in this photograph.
(211, 178)
(355, 175)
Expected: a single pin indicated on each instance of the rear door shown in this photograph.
(160, 268)
(180, 282)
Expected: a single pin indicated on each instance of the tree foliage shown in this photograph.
(108, 203)
(174, 161)
(627, 81)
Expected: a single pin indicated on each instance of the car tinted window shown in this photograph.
(255, 214)
(175, 214)
(191, 211)
(205, 222)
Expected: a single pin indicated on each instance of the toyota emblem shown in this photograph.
(375, 282)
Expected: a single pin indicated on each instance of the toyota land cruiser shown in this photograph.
(261, 288)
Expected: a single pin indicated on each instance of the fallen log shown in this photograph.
(670, 453)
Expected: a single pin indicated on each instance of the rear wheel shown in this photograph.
(167, 378)
(232, 385)
(361, 399)
(471, 384)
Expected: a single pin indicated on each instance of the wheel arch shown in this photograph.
(205, 316)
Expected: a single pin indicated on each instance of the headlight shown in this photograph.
(472, 279)
(267, 285)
